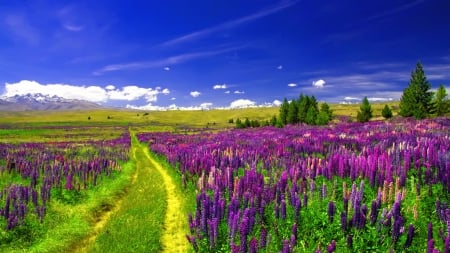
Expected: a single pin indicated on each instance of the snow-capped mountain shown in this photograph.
(42, 102)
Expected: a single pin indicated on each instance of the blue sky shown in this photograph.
(199, 54)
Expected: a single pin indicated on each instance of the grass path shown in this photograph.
(149, 217)
(175, 222)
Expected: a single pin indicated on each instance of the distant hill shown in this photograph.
(40, 102)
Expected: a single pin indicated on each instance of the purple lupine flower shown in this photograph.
(263, 238)
(294, 231)
(350, 241)
(324, 191)
(396, 228)
(244, 232)
(410, 236)
(286, 248)
(344, 221)
(373, 212)
(332, 247)
(253, 245)
(297, 206)
(430, 246)
(447, 244)
(331, 211)
(430, 231)
(283, 210)
(293, 241)
(345, 204)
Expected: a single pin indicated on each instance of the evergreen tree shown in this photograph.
(441, 103)
(284, 108)
(326, 108)
(322, 118)
(292, 113)
(273, 121)
(311, 116)
(239, 123)
(247, 123)
(303, 102)
(386, 112)
(416, 98)
(365, 111)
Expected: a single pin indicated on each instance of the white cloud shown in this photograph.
(165, 91)
(73, 28)
(206, 105)
(227, 92)
(276, 102)
(133, 92)
(351, 98)
(377, 99)
(292, 85)
(173, 98)
(89, 93)
(166, 68)
(280, 67)
(195, 94)
(319, 83)
(95, 94)
(242, 103)
(238, 92)
(148, 107)
(219, 86)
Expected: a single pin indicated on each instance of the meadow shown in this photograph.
(109, 180)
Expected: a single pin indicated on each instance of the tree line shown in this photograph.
(417, 101)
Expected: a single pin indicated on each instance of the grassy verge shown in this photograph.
(137, 225)
(68, 220)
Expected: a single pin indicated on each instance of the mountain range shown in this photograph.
(40, 102)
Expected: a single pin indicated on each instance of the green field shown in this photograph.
(134, 199)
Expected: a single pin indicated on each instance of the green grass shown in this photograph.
(137, 225)
(59, 134)
(160, 120)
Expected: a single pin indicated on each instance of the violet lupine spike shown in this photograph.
(332, 247)
(253, 245)
(263, 238)
(350, 241)
(430, 231)
(286, 248)
(331, 211)
(344, 221)
(409, 236)
(430, 246)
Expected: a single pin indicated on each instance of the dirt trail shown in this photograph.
(175, 223)
(101, 221)
(173, 237)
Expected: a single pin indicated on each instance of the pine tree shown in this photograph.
(311, 116)
(441, 103)
(303, 103)
(273, 121)
(247, 123)
(284, 108)
(292, 113)
(322, 118)
(386, 112)
(326, 108)
(365, 111)
(416, 98)
(239, 123)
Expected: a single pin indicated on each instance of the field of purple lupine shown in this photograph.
(375, 187)
(33, 173)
